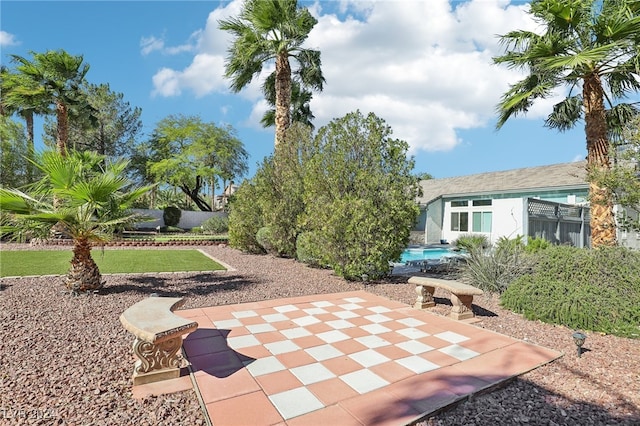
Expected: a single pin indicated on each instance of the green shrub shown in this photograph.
(245, 218)
(196, 230)
(171, 229)
(309, 249)
(469, 241)
(264, 238)
(171, 216)
(536, 244)
(596, 290)
(216, 225)
(495, 269)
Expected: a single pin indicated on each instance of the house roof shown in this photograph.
(552, 177)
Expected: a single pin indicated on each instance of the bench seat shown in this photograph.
(158, 337)
(461, 295)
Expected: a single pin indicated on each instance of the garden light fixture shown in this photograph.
(578, 338)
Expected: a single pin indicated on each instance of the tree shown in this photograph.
(14, 152)
(109, 126)
(273, 30)
(300, 109)
(624, 177)
(592, 45)
(93, 197)
(58, 77)
(187, 153)
(25, 97)
(359, 193)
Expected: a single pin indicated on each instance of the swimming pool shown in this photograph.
(425, 253)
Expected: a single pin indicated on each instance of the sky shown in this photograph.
(423, 66)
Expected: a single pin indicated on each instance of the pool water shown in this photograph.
(424, 253)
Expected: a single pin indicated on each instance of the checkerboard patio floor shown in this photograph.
(342, 359)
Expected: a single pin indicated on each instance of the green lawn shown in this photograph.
(55, 262)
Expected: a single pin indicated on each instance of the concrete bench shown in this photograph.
(158, 337)
(461, 295)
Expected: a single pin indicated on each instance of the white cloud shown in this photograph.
(425, 67)
(150, 44)
(153, 44)
(7, 39)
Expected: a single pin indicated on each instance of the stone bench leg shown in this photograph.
(157, 361)
(425, 297)
(461, 307)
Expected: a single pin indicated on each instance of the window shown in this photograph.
(460, 221)
(482, 221)
(481, 203)
(464, 203)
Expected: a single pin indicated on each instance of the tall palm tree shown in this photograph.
(93, 198)
(300, 99)
(60, 75)
(273, 30)
(593, 47)
(24, 96)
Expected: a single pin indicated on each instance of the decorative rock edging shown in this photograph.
(143, 243)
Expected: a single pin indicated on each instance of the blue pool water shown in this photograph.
(424, 253)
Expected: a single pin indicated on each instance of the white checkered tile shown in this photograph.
(312, 373)
(322, 352)
(368, 358)
(375, 328)
(281, 347)
(308, 320)
(412, 333)
(339, 324)
(451, 337)
(294, 333)
(377, 318)
(363, 381)
(286, 308)
(459, 352)
(230, 323)
(260, 328)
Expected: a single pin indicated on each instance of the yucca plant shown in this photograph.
(82, 193)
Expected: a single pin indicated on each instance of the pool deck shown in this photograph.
(350, 358)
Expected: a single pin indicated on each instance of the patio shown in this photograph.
(351, 358)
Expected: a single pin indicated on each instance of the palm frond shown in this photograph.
(618, 118)
(565, 114)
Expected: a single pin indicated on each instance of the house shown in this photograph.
(546, 201)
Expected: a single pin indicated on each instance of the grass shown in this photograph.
(180, 237)
(56, 262)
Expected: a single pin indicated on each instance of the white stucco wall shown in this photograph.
(188, 219)
(507, 219)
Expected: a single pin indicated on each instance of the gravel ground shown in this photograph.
(67, 360)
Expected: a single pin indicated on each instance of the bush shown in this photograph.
(196, 230)
(534, 245)
(494, 270)
(216, 225)
(265, 239)
(245, 218)
(171, 216)
(596, 290)
(470, 241)
(359, 194)
(171, 229)
(308, 249)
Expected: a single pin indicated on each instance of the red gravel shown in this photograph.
(67, 360)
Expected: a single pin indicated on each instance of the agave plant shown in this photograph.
(85, 195)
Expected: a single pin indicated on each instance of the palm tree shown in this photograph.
(593, 47)
(22, 95)
(60, 76)
(93, 198)
(300, 99)
(269, 30)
